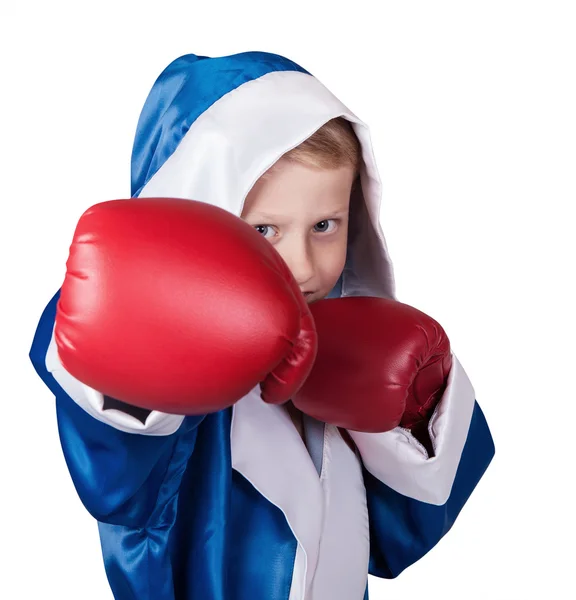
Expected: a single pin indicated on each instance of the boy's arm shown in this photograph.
(384, 366)
(413, 500)
(117, 461)
(143, 318)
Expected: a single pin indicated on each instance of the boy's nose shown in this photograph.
(301, 265)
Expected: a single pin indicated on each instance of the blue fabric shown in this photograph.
(183, 91)
(402, 530)
(176, 521)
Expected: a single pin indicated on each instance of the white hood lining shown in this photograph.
(245, 132)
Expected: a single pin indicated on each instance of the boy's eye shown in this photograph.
(260, 227)
(321, 227)
(324, 224)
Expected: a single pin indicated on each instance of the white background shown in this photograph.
(472, 109)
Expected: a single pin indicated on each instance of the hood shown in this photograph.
(210, 127)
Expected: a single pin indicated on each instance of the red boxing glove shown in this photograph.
(180, 306)
(380, 364)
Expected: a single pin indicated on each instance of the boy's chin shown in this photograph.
(315, 298)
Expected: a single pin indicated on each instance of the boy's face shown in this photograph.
(303, 212)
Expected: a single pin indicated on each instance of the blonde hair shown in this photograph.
(332, 146)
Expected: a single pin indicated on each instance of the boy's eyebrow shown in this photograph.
(327, 215)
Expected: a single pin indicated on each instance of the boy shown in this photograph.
(250, 496)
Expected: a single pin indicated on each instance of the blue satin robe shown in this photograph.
(178, 523)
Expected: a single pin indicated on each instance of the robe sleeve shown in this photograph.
(118, 461)
(413, 500)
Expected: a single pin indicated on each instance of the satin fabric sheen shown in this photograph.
(178, 523)
(183, 91)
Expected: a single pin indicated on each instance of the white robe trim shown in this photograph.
(327, 513)
(92, 401)
(397, 459)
